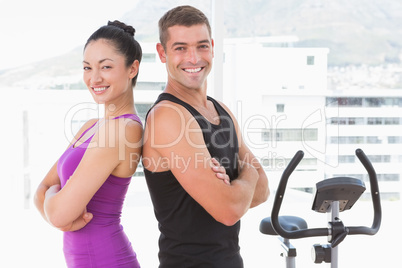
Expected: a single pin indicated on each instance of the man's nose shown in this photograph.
(193, 56)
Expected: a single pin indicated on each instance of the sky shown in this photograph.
(40, 29)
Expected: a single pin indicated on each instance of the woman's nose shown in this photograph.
(96, 77)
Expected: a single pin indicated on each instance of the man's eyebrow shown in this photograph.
(204, 41)
(179, 44)
(184, 43)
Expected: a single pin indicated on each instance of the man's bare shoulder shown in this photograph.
(167, 123)
(166, 113)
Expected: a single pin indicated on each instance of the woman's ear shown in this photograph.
(134, 69)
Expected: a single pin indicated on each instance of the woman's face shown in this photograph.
(105, 72)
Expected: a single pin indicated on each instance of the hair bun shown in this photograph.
(127, 28)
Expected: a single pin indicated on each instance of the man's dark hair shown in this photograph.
(181, 15)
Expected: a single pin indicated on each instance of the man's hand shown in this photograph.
(220, 171)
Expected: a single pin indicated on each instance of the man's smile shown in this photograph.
(193, 70)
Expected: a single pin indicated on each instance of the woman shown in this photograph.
(83, 193)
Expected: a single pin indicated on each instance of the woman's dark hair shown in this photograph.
(122, 37)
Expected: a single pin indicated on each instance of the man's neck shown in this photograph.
(194, 97)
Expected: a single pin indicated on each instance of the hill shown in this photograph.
(358, 32)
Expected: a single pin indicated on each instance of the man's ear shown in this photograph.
(161, 52)
(213, 45)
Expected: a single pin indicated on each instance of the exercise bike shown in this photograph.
(332, 196)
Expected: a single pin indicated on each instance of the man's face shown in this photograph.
(188, 55)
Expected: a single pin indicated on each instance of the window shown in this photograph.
(364, 177)
(270, 163)
(347, 140)
(363, 121)
(373, 140)
(356, 176)
(280, 108)
(308, 134)
(142, 109)
(150, 86)
(394, 139)
(391, 121)
(388, 177)
(373, 102)
(310, 60)
(347, 121)
(148, 57)
(374, 121)
(379, 158)
(346, 159)
(357, 140)
(364, 102)
(348, 102)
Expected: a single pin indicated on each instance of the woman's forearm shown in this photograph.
(39, 200)
(77, 224)
(52, 210)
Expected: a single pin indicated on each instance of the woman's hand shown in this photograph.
(79, 223)
(220, 171)
(54, 189)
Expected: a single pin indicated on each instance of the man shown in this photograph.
(192, 144)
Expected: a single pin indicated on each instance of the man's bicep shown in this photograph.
(188, 156)
(190, 163)
(194, 173)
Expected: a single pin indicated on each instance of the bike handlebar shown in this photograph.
(313, 232)
(375, 197)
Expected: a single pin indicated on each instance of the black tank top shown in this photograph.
(190, 236)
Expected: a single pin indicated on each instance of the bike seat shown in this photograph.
(289, 223)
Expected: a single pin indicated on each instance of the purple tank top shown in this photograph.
(102, 242)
